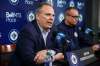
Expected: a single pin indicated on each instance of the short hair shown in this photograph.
(66, 12)
(40, 5)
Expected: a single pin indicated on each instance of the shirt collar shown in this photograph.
(42, 30)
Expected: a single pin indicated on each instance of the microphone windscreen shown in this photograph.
(88, 31)
(60, 36)
(60, 39)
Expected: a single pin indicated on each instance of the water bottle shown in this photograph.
(49, 59)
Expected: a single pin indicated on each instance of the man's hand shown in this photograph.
(58, 56)
(40, 56)
(96, 47)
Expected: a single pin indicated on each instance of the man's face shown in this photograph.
(45, 17)
(72, 17)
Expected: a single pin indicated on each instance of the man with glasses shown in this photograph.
(74, 36)
(70, 36)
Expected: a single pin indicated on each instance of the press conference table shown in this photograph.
(83, 57)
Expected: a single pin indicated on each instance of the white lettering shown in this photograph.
(86, 57)
(61, 3)
(86, 53)
(12, 16)
(29, 2)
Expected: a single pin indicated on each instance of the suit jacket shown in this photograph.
(31, 41)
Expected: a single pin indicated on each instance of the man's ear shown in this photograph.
(36, 16)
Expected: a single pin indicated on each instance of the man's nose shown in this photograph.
(51, 17)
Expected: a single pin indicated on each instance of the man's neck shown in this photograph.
(43, 30)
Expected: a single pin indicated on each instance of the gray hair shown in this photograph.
(40, 5)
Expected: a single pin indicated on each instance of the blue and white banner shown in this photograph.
(73, 59)
(15, 13)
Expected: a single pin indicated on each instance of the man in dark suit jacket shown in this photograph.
(35, 40)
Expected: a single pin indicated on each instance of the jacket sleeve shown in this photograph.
(25, 48)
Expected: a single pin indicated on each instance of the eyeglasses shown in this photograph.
(76, 17)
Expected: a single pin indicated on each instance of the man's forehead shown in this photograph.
(73, 11)
(47, 9)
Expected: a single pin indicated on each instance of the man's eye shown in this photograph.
(47, 14)
(53, 15)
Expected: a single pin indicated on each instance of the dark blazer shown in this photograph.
(30, 41)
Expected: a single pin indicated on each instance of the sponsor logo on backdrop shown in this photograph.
(13, 35)
(50, 2)
(14, 2)
(61, 3)
(61, 17)
(74, 59)
(80, 18)
(12, 16)
(71, 3)
(30, 16)
(29, 2)
(80, 5)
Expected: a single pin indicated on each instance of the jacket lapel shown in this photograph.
(39, 34)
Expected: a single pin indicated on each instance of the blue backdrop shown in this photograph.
(15, 13)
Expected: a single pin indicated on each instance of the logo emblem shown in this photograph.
(30, 16)
(13, 35)
(74, 59)
(14, 2)
(75, 34)
(68, 41)
(71, 4)
(80, 18)
(61, 17)
(80, 5)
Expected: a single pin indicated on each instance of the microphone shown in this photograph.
(89, 34)
(49, 58)
(89, 31)
(61, 41)
(60, 37)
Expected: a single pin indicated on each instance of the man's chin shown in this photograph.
(50, 26)
(47, 28)
(72, 25)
